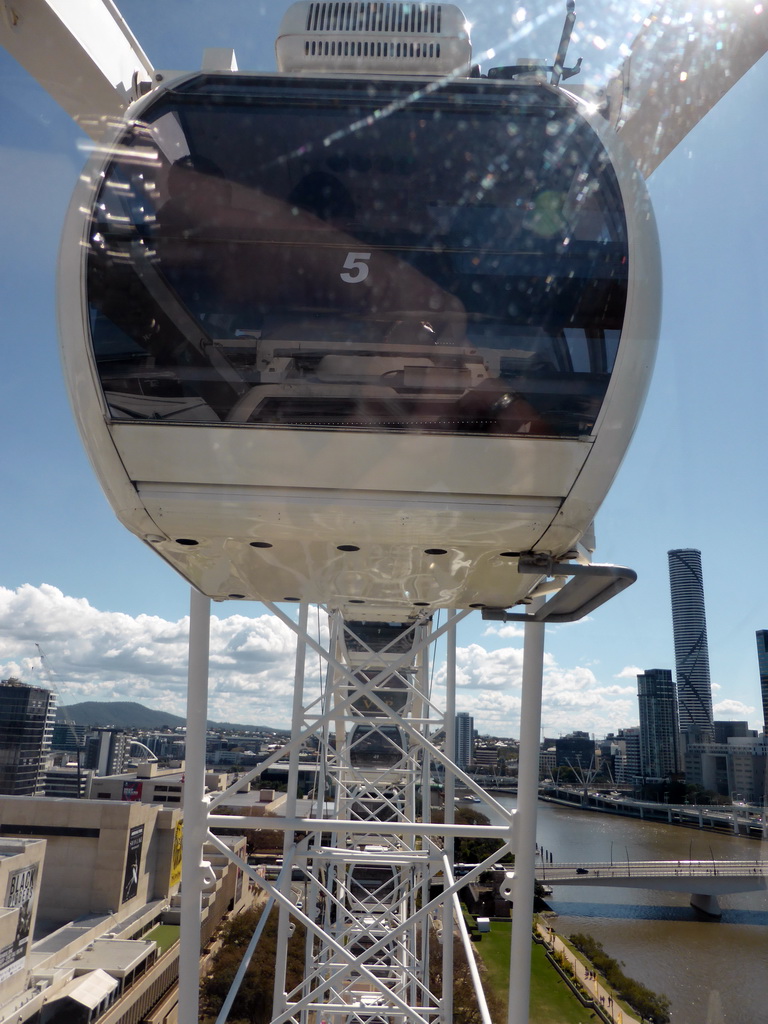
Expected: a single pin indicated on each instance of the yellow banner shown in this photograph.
(176, 854)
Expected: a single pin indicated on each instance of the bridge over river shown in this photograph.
(705, 880)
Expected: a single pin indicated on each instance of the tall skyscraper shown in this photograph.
(26, 727)
(762, 661)
(465, 739)
(689, 624)
(659, 725)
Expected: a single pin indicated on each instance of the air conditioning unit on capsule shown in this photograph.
(368, 36)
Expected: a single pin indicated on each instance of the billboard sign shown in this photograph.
(132, 790)
(176, 854)
(133, 862)
(21, 894)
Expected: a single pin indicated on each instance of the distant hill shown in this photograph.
(122, 714)
(127, 714)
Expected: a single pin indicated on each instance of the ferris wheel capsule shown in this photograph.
(359, 338)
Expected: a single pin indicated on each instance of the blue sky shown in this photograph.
(109, 614)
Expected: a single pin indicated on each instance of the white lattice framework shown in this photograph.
(378, 896)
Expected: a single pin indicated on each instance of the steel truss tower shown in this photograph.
(376, 892)
(374, 873)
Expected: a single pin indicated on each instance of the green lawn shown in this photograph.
(164, 935)
(552, 1002)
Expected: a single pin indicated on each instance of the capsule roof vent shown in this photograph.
(371, 36)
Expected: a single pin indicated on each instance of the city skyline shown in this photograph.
(238, 640)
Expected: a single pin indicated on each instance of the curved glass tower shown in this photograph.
(762, 658)
(689, 623)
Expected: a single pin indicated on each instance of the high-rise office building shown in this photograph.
(106, 751)
(762, 661)
(689, 624)
(26, 727)
(465, 739)
(628, 760)
(659, 726)
(726, 730)
(576, 751)
(68, 736)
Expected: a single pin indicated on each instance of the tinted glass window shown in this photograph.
(306, 256)
(376, 747)
(366, 883)
(378, 636)
(393, 691)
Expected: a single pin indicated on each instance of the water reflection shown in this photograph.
(635, 912)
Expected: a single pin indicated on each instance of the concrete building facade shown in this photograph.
(747, 760)
(735, 768)
(101, 856)
(628, 764)
(149, 784)
(21, 863)
(83, 884)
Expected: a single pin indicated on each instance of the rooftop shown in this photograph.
(115, 956)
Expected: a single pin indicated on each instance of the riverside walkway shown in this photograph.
(736, 819)
(592, 983)
(705, 880)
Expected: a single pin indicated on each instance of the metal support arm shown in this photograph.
(589, 587)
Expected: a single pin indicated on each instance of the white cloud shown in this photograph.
(493, 713)
(478, 668)
(510, 630)
(629, 672)
(97, 655)
(107, 656)
(726, 710)
(489, 682)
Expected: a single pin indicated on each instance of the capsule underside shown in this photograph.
(357, 342)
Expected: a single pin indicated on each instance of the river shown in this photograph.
(714, 971)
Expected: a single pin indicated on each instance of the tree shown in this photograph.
(654, 1008)
(253, 1003)
(471, 850)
